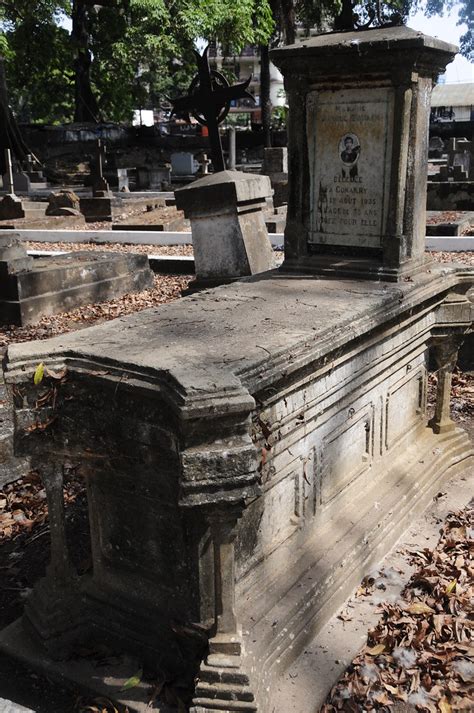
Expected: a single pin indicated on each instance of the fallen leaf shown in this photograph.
(420, 608)
(376, 650)
(39, 373)
(133, 681)
(451, 586)
(445, 706)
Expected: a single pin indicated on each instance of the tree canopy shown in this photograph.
(100, 59)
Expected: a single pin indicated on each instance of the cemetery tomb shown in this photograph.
(32, 288)
(252, 450)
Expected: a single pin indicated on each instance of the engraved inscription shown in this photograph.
(350, 153)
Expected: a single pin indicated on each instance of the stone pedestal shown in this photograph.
(359, 105)
(230, 239)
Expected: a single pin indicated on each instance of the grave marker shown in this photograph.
(359, 137)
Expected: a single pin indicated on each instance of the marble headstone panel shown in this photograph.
(350, 145)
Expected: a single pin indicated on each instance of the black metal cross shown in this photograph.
(208, 101)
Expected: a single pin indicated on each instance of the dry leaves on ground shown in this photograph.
(466, 257)
(445, 216)
(420, 654)
(166, 289)
(462, 394)
(23, 504)
(113, 247)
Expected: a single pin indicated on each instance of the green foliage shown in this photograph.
(38, 59)
(142, 49)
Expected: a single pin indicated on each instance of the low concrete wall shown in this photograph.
(149, 237)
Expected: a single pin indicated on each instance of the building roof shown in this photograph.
(453, 94)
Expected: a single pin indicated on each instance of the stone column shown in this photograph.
(445, 351)
(60, 569)
(226, 640)
(53, 611)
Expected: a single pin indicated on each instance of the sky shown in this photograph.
(444, 27)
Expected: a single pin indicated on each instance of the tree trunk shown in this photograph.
(86, 108)
(265, 102)
(345, 20)
(10, 136)
(288, 21)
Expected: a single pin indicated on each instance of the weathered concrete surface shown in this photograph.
(309, 680)
(10, 707)
(11, 467)
(249, 430)
(31, 288)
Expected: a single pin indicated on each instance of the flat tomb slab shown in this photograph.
(59, 284)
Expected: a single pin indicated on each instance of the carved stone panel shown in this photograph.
(350, 146)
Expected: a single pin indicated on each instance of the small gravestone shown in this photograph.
(275, 165)
(230, 239)
(99, 207)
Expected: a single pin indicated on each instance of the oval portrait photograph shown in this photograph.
(349, 149)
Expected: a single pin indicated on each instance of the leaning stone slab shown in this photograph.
(230, 239)
(250, 452)
(30, 289)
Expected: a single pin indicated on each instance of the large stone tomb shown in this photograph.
(249, 453)
(252, 450)
(358, 138)
(32, 288)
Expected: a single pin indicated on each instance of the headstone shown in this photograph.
(275, 160)
(230, 239)
(363, 145)
(31, 289)
(11, 207)
(122, 176)
(275, 165)
(183, 163)
(204, 163)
